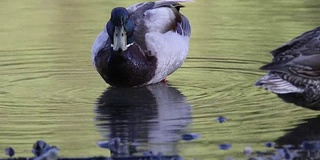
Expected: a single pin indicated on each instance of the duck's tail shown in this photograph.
(277, 85)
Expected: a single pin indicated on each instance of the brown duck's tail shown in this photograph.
(277, 85)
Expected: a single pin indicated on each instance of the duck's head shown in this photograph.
(120, 29)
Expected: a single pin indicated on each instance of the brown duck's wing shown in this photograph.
(304, 66)
(306, 43)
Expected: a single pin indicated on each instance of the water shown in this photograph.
(49, 89)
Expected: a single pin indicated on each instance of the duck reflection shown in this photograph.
(153, 116)
(301, 142)
(298, 100)
(309, 130)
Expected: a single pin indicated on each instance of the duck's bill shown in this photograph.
(119, 39)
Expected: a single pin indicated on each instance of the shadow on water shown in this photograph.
(299, 100)
(300, 142)
(153, 116)
(309, 130)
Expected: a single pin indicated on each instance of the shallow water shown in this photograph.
(49, 89)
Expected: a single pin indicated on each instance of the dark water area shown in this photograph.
(49, 89)
(154, 116)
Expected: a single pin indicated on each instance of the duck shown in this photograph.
(294, 73)
(142, 44)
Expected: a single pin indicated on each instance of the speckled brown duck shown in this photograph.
(142, 44)
(294, 73)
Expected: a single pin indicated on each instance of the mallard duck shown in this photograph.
(142, 44)
(294, 73)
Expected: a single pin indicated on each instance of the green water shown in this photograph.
(48, 87)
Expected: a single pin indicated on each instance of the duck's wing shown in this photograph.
(139, 8)
(99, 44)
(300, 56)
(142, 7)
(150, 17)
(179, 22)
(164, 32)
(303, 66)
(306, 43)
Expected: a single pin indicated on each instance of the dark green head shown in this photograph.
(120, 29)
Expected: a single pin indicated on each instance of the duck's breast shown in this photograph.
(128, 68)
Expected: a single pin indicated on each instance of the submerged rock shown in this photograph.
(221, 119)
(43, 151)
(225, 146)
(112, 144)
(269, 144)
(40, 147)
(117, 147)
(247, 150)
(190, 136)
(311, 145)
(51, 154)
(9, 151)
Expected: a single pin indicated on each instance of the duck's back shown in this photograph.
(300, 56)
(303, 44)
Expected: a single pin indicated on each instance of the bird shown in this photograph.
(294, 73)
(142, 44)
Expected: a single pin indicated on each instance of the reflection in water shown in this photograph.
(48, 83)
(299, 100)
(307, 131)
(301, 142)
(152, 115)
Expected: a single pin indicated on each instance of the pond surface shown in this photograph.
(49, 90)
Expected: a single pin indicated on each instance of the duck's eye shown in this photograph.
(122, 34)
